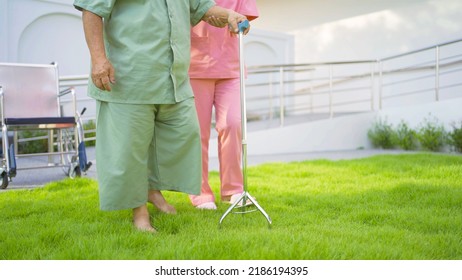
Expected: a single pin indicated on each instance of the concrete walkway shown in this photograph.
(32, 178)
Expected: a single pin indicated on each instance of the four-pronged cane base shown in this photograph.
(241, 207)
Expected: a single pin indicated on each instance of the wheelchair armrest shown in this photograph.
(66, 91)
(69, 90)
(1, 104)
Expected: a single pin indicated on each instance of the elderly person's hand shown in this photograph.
(220, 17)
(215, 21)
(102, 74)
(102, 71)
(234, 19)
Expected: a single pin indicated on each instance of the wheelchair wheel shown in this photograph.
(3, 180)
(73, 168)
(75, 172)
(70, 157)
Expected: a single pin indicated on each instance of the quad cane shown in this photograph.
(241, 205)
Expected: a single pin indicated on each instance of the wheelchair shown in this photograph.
(30, 100)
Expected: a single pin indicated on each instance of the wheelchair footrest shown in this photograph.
(87, 166)
(84, 164)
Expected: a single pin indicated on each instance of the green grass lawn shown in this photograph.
(383, 207)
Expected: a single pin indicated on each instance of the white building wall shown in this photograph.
(43, 31)
(3, 29)
(345, 30)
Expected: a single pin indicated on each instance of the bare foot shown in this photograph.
(141, 219)
(158, 200)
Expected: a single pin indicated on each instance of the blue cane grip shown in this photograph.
(243, 25)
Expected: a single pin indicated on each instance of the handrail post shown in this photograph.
(437, 73)
(380, 83)
(372, 85)
(15, 142)
(281, 96)
(271, 96)
(311, 92)
(331, 112)
(51, 142)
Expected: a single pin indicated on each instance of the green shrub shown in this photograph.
(33, 146)
(455, 137)
(405, 137)
(381, 134)
(431, 135)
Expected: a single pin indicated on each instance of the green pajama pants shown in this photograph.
(141, 147)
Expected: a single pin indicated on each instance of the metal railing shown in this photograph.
(323, 90)
(433, 73)
(310, 89)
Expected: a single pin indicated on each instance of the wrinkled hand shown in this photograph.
(233, 20)
(226, 17)
(215, 21)
(103, 74)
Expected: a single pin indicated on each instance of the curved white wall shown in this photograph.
(55, 37)
(267, 47)
(42, 31)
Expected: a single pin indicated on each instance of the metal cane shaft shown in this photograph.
(243, 111)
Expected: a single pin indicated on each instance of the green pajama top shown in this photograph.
(148, 43)
(147, 131)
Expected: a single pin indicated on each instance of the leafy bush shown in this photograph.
(431, 135)
(405, 137)
(381, 134)
(33, 146)
(455, 137)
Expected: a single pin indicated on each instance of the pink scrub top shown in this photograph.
(215, 51)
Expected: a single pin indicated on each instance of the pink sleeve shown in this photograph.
(248, 8)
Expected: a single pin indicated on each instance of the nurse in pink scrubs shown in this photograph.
(214, 74)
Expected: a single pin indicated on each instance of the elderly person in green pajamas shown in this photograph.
(148, 137)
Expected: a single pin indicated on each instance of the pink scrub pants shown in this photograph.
(224, 95)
